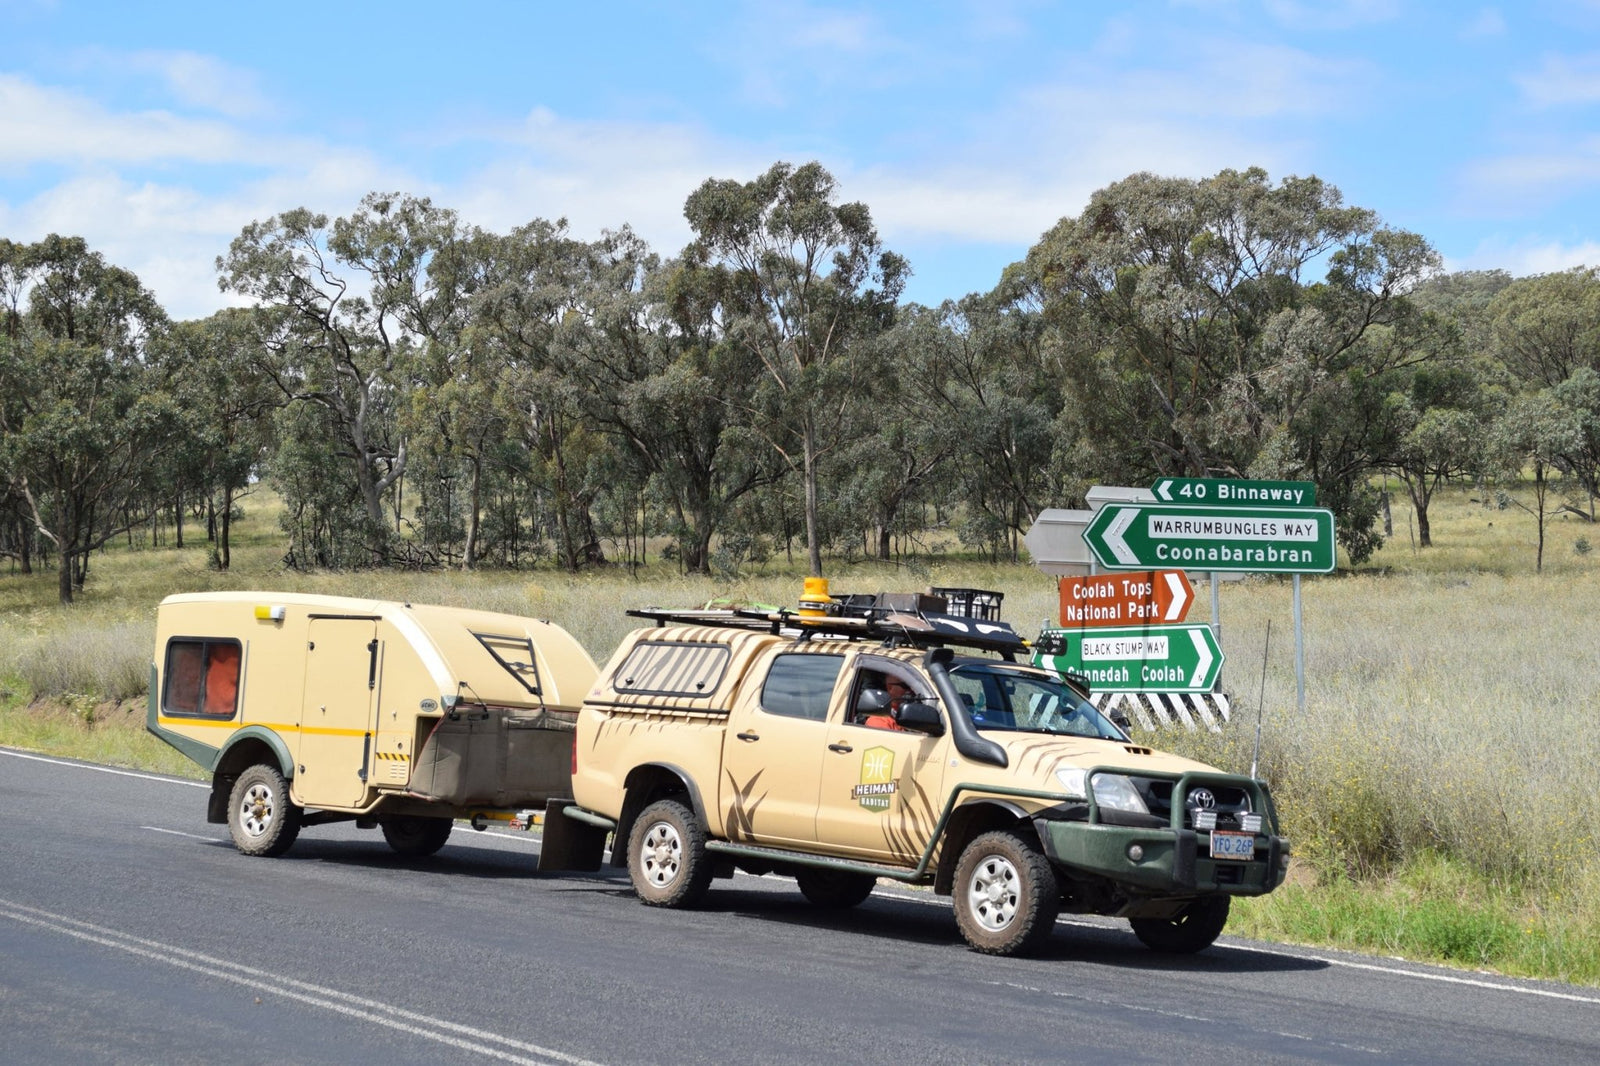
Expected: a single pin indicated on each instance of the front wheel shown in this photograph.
(261, 817)
(667, 856)
(1006, 897)
(834, 889)
(1197, 927)
(413, 836)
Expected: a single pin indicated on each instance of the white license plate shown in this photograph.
(1233, 845)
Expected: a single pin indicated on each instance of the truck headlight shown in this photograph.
(1073, 782)
(1118, 793)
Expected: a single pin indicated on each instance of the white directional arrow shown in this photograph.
(1162, 487)
(1180, 596)
(1119, 547)
(1203, 665)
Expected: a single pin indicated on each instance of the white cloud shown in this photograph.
(43, 124)
(204, 82)
(1512, 183)
(1563, 80)
(1528, 256)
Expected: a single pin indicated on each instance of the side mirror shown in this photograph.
(921, 717)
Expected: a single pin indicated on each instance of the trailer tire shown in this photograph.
(261, 817)
(1006, 897)
(1195, 929)
(414, 836)
(667, 856)
(835, 890)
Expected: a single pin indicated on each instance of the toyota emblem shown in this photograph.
(1201, 799)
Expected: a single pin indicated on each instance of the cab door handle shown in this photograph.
(840, 748)
(748, 736)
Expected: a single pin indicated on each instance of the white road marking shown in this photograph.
(181, 833)
(102, 769)
(465, 1037)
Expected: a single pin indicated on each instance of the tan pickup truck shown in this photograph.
(844, 748)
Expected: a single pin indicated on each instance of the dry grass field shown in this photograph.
(1436, 784)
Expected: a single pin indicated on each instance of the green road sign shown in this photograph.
(1158, 536)
(1230, 492)
(1182, 658)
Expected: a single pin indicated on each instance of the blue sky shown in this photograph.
(156, 131)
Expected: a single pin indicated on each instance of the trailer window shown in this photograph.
(515, 656)
(202, 678)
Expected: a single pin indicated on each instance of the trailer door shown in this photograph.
(337, 717)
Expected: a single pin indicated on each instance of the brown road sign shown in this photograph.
(1159, 597)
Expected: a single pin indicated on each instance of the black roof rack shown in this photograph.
(920, 628)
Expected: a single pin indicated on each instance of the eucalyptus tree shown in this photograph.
(666, 385)
(530, 294)
(352, 303)
(1216, 349)
(224, 403)
(805, 280)
(1546, 334)
(1533, 431)
(81, 417)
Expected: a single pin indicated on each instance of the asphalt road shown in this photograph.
(132, 932)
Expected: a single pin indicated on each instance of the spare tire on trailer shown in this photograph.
(413, 836)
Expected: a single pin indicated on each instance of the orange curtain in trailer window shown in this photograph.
(222, 679)
(202, 678)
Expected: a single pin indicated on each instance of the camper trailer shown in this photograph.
(405, 717)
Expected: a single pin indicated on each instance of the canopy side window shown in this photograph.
(201, 678)
(673, 668)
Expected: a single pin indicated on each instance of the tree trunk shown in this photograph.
(223, 544)
(813, 545)
(1424, 538)
(64, 578)
(177, 517)
(469, 555)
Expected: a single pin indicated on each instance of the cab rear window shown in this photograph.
(202, 678)
(800, 686)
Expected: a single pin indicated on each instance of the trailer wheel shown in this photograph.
(667, 856)
(413, 836)
(1196, 928)
(1006, 898)
(261, 817)
(834, 889)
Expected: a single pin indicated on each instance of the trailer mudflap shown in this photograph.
(570, 844)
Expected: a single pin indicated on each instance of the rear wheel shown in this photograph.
(1006, 898)
(1196, 928)
(413, 836)
(667, 856)
(261, 817)
(834, 889)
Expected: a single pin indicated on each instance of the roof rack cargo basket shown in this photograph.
(971, 603)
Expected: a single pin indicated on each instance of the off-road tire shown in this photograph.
(261, 817)
(667, 856)
(1006, 896)
(413, 836)
(1195, 929)
(834, 890)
